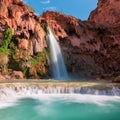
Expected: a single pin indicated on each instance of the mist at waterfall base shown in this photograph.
(58, 67)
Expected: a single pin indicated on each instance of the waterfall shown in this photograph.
(57, 62)
(30, 90)
(10, 93)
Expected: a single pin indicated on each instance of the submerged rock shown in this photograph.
(116, 79)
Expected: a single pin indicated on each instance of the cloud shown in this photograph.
(50, 8)
(45, 2)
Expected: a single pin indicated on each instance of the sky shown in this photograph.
(77, 8)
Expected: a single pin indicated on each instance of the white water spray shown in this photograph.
(9, 94)
(57, 62)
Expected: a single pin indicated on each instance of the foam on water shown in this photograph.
(10, 96)
(68, 98)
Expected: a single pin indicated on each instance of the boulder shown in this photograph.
(17, 75)
(2, 77)
(116, 79)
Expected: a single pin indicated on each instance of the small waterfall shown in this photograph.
(57, 62)
(31, 90)
(10, 94)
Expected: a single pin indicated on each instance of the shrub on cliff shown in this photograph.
(14, 58)
(4, 50)
(38, 64)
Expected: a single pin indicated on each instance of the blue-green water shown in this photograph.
(63, 108)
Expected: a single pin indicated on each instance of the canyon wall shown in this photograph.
(107, 12)
(24, 23)
(24, 39)
(91, 48)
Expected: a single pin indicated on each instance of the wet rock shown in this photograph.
(17, 75)
(2, 77)
(117, 79)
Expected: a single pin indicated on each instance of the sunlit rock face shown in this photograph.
(25, 24)
(90, 49)
(107, 12)
(27, 43)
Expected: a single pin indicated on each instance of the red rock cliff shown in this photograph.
(24, 23)
(25, 56)
(107, 12)
(90, 49)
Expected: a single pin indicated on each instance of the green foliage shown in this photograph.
(21, 60)
(7, 37)
(33, 61)
(30, 8)
(13, 49)
(13, 46)
(41, 57)
(4, 50)
(35, 66)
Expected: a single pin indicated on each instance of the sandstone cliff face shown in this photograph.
(24, 23)
(107, 12)
(22, 36)
(90, 49)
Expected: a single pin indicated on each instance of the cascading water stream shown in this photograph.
(10, 94)
(38, 90)
(57, 62)
(38, 102)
